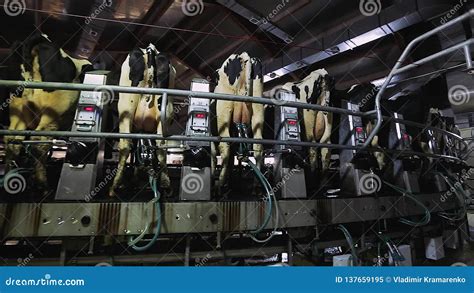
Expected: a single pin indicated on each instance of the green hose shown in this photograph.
(243, 151)
(268, 189)
(459, 216)
(350, 241)
(153, 185)
(426, 219)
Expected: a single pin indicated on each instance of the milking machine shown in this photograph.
(356, 168)
(405, 168)
(196, 169)
(288, 166)
(85, 156)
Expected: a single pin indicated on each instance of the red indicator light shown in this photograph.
(200, 115)
(89, 109)
(292, 122)
(359, 129)
(406, 136)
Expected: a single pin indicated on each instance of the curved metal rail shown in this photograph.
(397, 69)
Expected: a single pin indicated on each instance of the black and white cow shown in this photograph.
(239, 75)
(39, 59)
(315, 89)
(146, 68)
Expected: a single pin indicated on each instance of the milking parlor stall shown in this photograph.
(236, 133)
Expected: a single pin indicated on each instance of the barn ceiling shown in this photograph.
(200, 35)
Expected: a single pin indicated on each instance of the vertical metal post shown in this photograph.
(467, 55)
(164, 118)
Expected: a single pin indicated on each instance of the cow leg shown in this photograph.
(326, 119)
(309, 119)
(165, 182)
(225, 109)
(20, 119)
(40, 151)
(379, 156)
(126, 107)
(257, 130)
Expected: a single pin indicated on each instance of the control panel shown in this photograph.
(359, 136)
(198, 113)
(89, 109)
(403, 137)
(286, 123)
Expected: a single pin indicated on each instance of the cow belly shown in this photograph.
(146, 116)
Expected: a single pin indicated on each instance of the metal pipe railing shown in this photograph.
(172, 92)
(215, 139)
(398, 69)
(166, 92)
